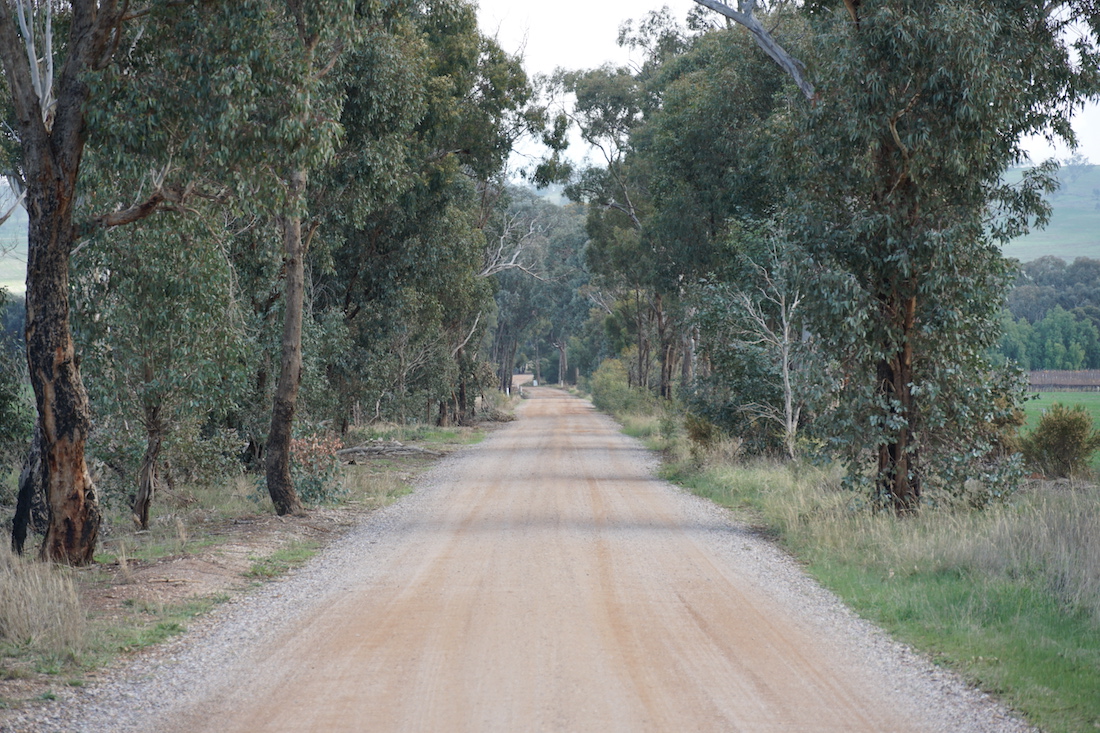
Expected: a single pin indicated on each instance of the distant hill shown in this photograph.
(1074, 229)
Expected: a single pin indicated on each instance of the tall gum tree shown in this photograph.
(315, 33)
(915, 110)
(49, 117)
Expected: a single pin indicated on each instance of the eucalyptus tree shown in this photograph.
(433, 108)
(48, 88)
(911, 112)
(160, 322)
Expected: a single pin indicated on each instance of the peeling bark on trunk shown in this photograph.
(51, 135)
(280, 486)
(59, 392)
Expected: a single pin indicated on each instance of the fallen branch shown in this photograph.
(383, 448)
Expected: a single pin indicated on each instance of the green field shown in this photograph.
(1034, 407)
(1074, 229)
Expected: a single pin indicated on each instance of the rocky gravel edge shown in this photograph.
(133, 696)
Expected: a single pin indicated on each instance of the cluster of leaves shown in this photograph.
(16, 407)
(882, 174)
(612, 392)
(378, 130)
(1061, 340)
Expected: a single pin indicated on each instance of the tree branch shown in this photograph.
(455, 350)
(744, 17)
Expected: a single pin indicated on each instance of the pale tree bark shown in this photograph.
(771, 322)
(743, 16)
(147, 476)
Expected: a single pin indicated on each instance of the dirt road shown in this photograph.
(552, 585)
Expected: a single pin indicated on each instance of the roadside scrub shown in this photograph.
(1008, 596)
(58, 625)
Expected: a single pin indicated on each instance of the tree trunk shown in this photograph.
(277, 452)
(463, 409)
(147, 478)
(31, 512)
(538, 365)
(664, 387)
(898, 468)
(51, 357)
(687, 367)
(563, 363)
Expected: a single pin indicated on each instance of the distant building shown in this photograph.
(1049, 380)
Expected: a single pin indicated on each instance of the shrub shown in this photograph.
(1063, 442)
(316, 469)
(16, 401)
(611, 390)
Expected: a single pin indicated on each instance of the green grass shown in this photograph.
(1034, 408)
(284, 559)
(1009, 597)
(1004, 636)
(145, 624)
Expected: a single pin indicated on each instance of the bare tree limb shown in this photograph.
(473, 330)
(15, 205)
(744, 16)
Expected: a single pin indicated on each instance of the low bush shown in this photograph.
(1063, 443)
(316, 469)
(612, 392)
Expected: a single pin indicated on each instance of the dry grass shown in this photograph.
(39, 608)
(375, 485)
(1049, 539)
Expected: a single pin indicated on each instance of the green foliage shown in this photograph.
(893, 175)
(612, 392)
(1063, 442)
(16, 401)
(1061, 340)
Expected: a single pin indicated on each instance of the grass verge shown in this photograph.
(294, 555)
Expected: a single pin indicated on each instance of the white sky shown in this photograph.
(581, 34)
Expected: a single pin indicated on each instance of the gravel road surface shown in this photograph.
(540, 581)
